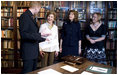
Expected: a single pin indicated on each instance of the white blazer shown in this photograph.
(53, 44)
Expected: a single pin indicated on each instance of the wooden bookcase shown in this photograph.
(11, 11)
(111, 44)
(8, 36)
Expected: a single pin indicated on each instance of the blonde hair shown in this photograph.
(35, 4)
(99, 15)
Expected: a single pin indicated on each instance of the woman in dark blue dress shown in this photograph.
(95, 34)
(70, 43)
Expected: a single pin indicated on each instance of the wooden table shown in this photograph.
(81, 68)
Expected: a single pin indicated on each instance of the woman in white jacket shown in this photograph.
(49, 48)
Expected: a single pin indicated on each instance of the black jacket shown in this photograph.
(30, 36)
(71, 33)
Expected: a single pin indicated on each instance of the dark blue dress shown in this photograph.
(96, 52)
(70, 35)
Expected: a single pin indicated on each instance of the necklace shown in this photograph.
(96, 25)
(50, 26)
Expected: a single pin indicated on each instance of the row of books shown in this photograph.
(111, 53)
(63, 11)
(7, 54)
(6, 12)
(70, 4)
(81, 16)
(28, 3)
(97, 4)
(111, 57)
(6, 33)
(7, 22)
(62, 15)
(78, 4)
(20, 63)
(112, 24)
(61, 3)
(41, 22)
(114, 11)
(6, 64)
(45, 3)
(7, 44)
(110, 45)
(42, 13)
(23, 3)
(111, 63)
(112, 4)
(112, 14)
(112, 35)
(7, 3)
(20, 11)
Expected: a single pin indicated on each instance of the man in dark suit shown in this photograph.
(30, 37)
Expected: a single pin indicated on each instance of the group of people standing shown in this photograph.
(44, 41)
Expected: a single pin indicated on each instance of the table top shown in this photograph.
(81, 68)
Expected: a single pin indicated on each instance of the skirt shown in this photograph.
(96, 55)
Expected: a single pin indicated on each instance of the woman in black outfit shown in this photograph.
(71, 36)
(95, 34)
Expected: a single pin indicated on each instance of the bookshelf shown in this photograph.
(111, 44)
(10, 37)
(8, 49)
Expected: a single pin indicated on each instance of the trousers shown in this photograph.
(47, 59)
(29, 65)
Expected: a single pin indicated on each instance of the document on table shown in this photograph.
(99, 69)
(69, 68)
(85, 72)
(49, 72)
